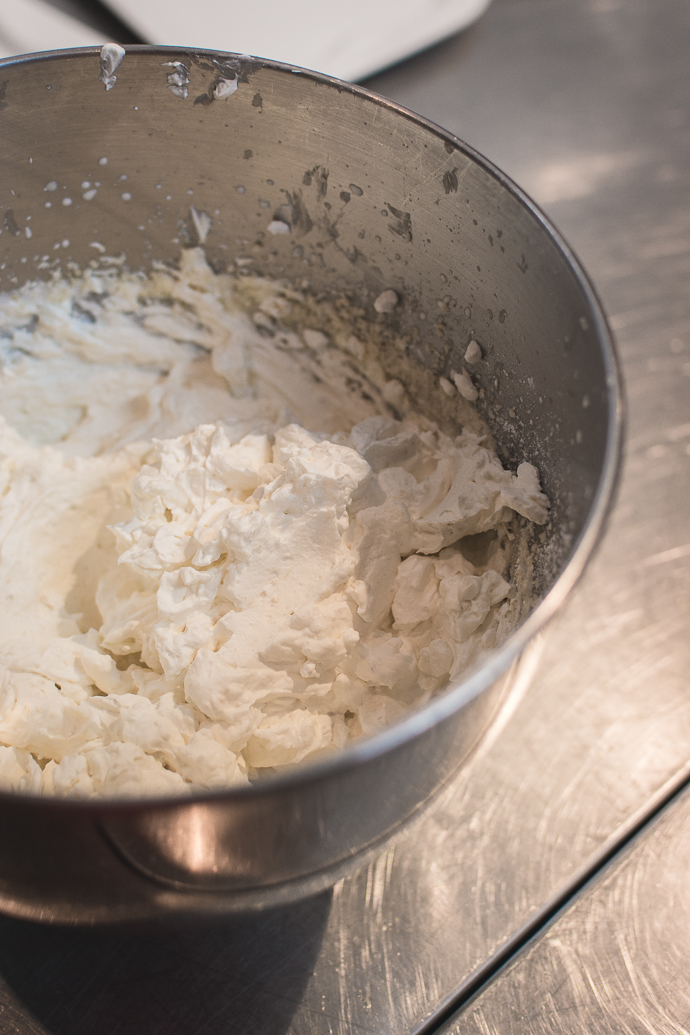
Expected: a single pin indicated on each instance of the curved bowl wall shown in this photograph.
(374, 198)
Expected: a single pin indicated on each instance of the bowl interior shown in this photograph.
(368, 197)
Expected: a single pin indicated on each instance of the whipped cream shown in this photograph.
(220, 552)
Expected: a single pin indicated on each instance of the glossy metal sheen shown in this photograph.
(376, 198)
(616, 960)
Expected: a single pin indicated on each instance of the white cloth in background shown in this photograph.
(27, 26)
(348, 40)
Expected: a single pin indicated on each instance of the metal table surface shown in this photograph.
(586, 103)
(615, 961)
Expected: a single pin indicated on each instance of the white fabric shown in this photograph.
(349, 41)
(28, 26)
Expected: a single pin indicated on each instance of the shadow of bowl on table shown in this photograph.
(246, 977)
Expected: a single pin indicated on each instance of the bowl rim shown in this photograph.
(454, 697)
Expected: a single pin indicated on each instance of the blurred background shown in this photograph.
(350, 41)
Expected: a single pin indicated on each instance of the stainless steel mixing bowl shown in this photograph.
(375, 198)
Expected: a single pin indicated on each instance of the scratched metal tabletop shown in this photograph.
(586, 103)
(615, 961)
